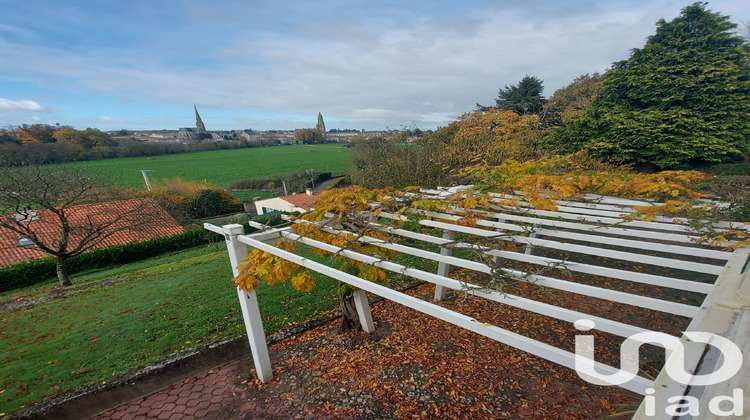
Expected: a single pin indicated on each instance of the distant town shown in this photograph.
(201, 133)
(61, 143)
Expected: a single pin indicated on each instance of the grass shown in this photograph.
(168, 304)
(160, 307)
(222, 167)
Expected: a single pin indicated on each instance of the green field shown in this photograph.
(222, 167)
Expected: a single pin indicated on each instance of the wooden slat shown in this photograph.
(662, 281)
(621, 255)
(528, 345)
(603, 324)
(624, 256)
(536, 221)
(607, 294)
(630, 243)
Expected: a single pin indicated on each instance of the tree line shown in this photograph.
(56, 144)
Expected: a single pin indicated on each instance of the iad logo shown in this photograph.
(629, 356)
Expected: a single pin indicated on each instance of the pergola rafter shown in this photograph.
(590, 230)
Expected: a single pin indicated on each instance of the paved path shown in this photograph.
(322, 185)
(217, 394)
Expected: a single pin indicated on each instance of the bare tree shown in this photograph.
(66, 211)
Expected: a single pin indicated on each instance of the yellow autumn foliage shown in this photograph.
(491, 136)
(540, 181)
(303, 281)
(260, 266)
(564, 176)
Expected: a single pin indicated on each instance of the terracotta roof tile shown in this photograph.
(48, 225)
(302, 200)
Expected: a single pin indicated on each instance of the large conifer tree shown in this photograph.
(524, 98)
(684, 98)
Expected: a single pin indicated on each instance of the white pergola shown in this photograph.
(594, 227)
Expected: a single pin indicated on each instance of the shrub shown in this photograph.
(741, 168)
(213, 202)
(271, 219)
(682, 99)
(295, 182)
(733, 190)
(250, 184)
(187, 200)
(240, 219)
(382, 163)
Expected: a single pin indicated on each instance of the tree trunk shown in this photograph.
(62, 272)
(349, 315)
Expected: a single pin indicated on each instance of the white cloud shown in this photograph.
(23, 105)
(108, 119)
(368, 113)
(374, 67)
(14, 29)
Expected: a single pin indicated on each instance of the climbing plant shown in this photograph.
(342, 217)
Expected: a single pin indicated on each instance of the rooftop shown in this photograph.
(303, 200)
(14, 248)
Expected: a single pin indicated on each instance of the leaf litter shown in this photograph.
(415, 365)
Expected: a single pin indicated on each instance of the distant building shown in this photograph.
(321, 126)
(199, 126)
(288, 203)
(188, 133)
(343, 137)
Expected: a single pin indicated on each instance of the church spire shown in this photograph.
(321, 126)
(198, 121)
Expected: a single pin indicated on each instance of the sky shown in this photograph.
(269, 64)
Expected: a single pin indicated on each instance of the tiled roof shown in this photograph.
(302, 200)
(156, 223)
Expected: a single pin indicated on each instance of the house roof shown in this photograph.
(151, 220)
(302, 200)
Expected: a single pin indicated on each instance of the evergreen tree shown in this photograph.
(684, 98)
(524, 98)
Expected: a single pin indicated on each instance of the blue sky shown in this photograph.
(274, 65)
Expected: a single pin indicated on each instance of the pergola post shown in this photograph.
(443, 268)
(249, 306)
(363, 310)
(529, 247)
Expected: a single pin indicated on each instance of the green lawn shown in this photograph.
(221, 167)
(162, 306)
(168, 304)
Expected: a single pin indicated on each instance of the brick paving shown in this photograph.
(411, 366)
(216, 394)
